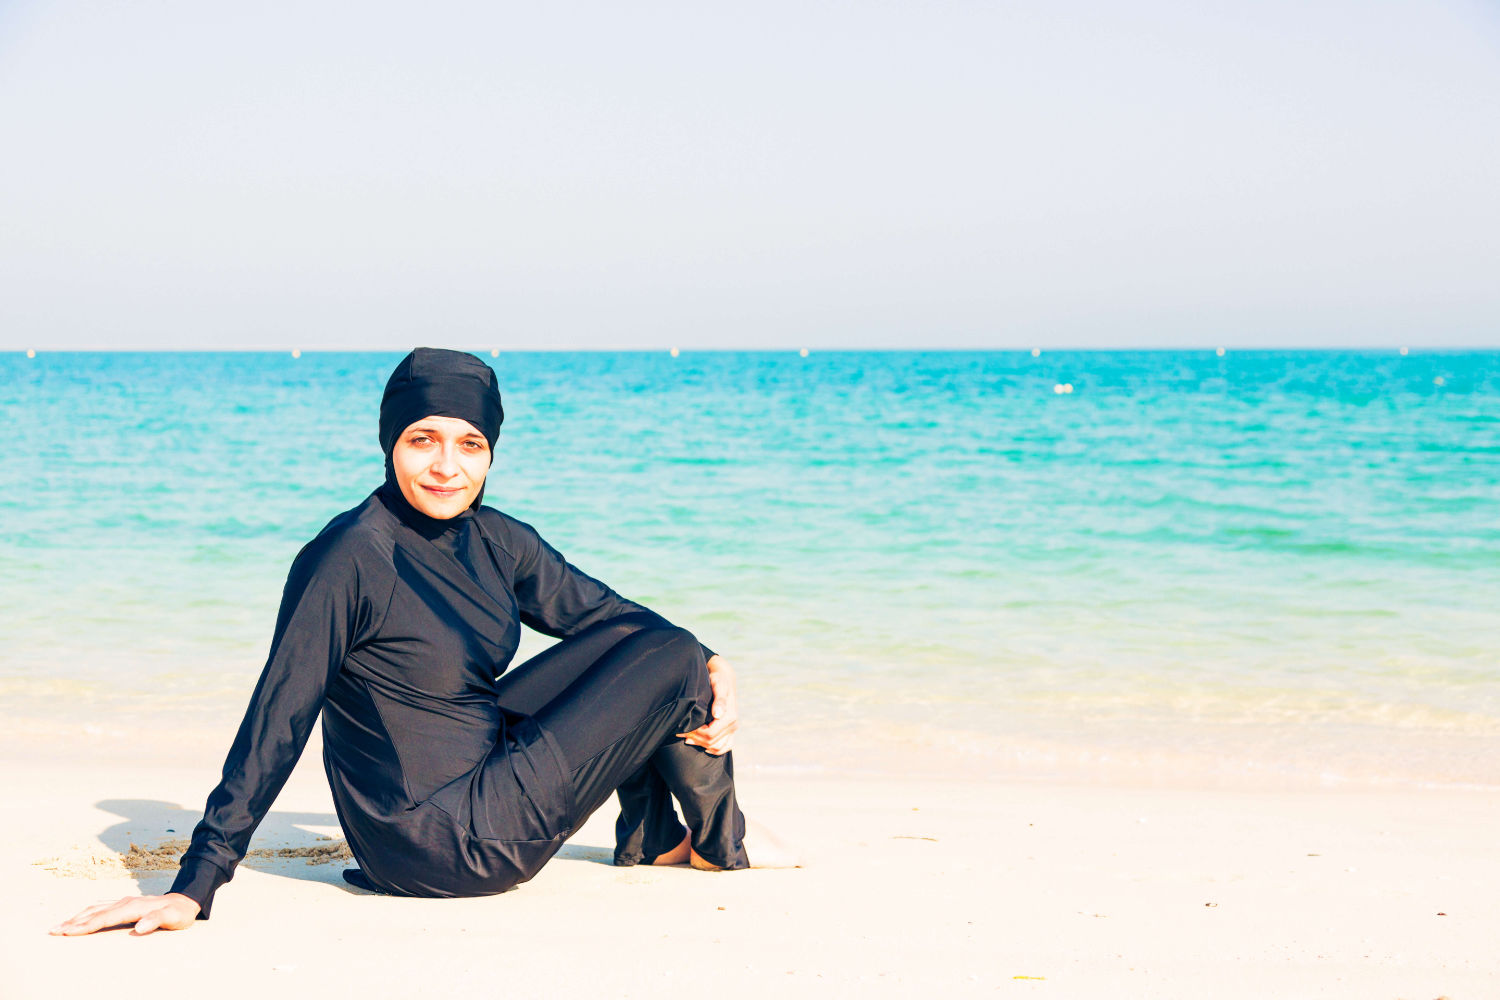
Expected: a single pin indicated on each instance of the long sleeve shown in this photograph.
(555, 597)
(328, 605)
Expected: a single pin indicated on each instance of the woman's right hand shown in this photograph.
(172, 912)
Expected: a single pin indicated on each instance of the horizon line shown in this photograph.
(1225, 348)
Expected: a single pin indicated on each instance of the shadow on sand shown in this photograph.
(149, 822)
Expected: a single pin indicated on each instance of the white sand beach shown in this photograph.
(913, 887)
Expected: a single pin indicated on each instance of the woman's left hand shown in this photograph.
(717, 735)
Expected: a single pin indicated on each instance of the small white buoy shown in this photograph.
(675, 352)
(1067, 387)
(296, 352)
(1036, 352)
(495, 353)
(1439, 380)
(30, 352)
(803, 352)
(1058, 389)
(1403, 352)
(1220, 352)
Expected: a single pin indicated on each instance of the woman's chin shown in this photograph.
(442, 510)
(441, 506)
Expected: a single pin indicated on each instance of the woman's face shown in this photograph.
(440, 465)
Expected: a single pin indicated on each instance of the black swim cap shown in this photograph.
(430, 382)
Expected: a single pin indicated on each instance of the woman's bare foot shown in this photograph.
(763, 849)
(680, 854)
(683, 853)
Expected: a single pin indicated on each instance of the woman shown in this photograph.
(396, 624)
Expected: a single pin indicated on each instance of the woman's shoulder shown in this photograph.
(359, 534)
(492, 518)
(509, 533)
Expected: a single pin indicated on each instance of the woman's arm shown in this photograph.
(325, 609)
(558, 599)
(555, 597)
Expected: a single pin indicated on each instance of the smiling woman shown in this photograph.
(440, 464)
(396, 625)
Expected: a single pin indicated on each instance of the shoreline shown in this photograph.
(1147, 753)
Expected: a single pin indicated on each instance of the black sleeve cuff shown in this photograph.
(708, 654)
(198, 880)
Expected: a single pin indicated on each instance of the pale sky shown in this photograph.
(191, 174)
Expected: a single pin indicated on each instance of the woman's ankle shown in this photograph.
(680, 854)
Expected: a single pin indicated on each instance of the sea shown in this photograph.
(1252, 567)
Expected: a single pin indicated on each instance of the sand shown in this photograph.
(968, 886)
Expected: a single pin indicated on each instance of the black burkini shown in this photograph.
(448, 779)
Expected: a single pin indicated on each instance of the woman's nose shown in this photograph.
(446, 463)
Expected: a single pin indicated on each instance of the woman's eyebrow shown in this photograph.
(436, 432)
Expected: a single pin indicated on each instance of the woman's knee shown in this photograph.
(681, 645)
(668, 659)
(623, 627)
(681, 649)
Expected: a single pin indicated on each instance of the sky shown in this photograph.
(176, 174)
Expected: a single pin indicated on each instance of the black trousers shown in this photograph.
(613, 698)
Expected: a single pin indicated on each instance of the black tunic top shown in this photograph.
(396, 626)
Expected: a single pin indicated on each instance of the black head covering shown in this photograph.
(431, 382)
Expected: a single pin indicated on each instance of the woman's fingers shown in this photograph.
(174, 913)
(716, 737)
(721, 736)
(81, 919)
(724, 698)
(710, 731)
(103, 915)
(89, 911)
(147, 913)
(167, 917)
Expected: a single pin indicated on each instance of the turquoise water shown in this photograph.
(935, 549)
